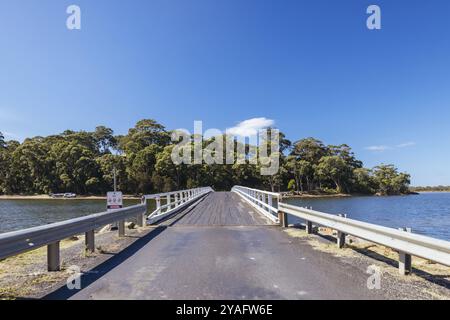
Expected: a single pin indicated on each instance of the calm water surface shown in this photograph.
(20, 214)
(426, 213)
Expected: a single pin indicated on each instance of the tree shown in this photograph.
(142, 166)
(82, 162)
(104, 138)
(334, 168)
(363, 181)
(310, 150)
(389, 181)
(166, 168)
(145, 133)
(107, 163)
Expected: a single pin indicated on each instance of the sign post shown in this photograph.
(114, 200)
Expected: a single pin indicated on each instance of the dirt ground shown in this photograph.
(26, 277)
(428, 280)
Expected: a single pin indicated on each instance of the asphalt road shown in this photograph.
(219, 209)
(183, 259)
(250, 262)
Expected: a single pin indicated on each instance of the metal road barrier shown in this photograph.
(263, 201)
(50, 235)
(174, 201)
(406, 243)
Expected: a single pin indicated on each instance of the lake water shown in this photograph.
(427, 213)
(20, 214)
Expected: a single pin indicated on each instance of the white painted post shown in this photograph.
(168, 202)
(269, 202)
(158, 204)
(404, 259)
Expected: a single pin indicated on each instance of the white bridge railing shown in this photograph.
(174, 201)
(50, 235)
(406, 243)
(263, 201)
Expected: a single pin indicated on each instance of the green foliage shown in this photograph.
(291, 185)
(390, 181)
(83, 162)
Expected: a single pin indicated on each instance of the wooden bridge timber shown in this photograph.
(222, 245)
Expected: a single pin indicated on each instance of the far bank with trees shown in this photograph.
(82, 162)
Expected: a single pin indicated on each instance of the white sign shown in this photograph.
(114, 200)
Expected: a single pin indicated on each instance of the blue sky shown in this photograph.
(310, 66)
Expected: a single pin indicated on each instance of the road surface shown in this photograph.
(221, 249)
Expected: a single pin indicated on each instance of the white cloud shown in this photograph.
(406, 144)
(378, 148)
(382, 148)
(10, 135)
(250, 127)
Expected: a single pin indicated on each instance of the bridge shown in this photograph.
(203, 244)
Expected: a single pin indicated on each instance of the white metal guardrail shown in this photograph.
(406, 243)
(174, 201)
(16, 242)
(263, 201)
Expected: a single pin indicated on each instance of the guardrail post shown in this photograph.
(158, 204)
(309, 227)
(169, 202)
(89, 241)
(341, 235)
(141, 219)
(404, 259)
(121, 228)
(282, 217)
(53, 257)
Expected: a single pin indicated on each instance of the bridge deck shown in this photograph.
(221, 262)
(219, 209)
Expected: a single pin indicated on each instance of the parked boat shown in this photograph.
(66, 195)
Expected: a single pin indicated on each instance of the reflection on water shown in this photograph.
(427, 213)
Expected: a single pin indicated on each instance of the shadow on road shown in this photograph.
(103, 268)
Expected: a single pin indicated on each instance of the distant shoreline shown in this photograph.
(344, 195)
(47, 197)
(433, 191)
(301, 196)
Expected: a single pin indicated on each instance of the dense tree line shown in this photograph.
(83, 162)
